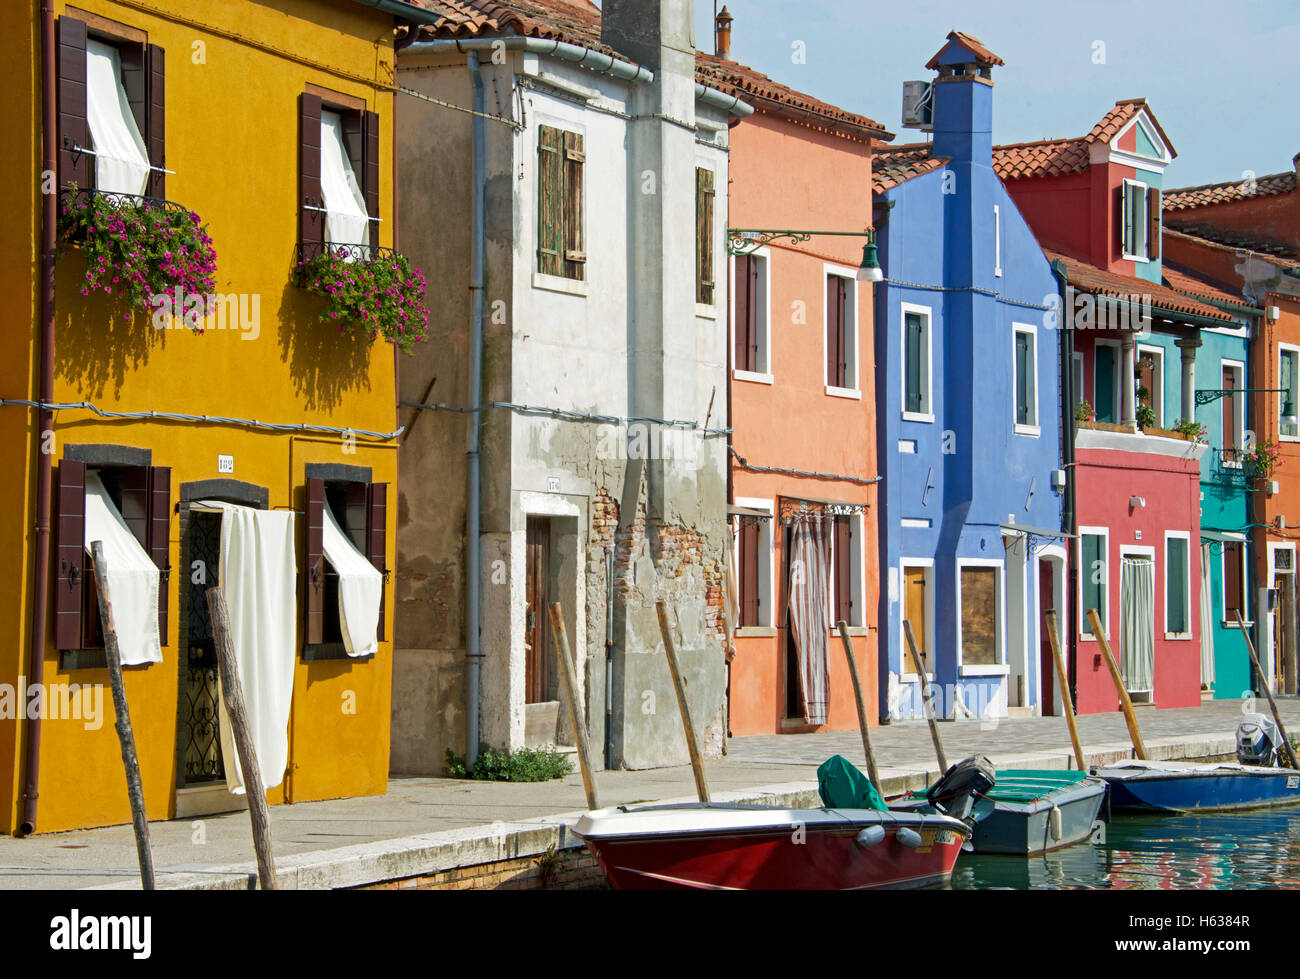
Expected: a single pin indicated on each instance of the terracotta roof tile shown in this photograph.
(899, 164)
(982, 55)
(1045, 158)
(578, 22)
(1207, 195)
(1088, 278)
(1235, 239)
(1200, 238)
(1192, 283)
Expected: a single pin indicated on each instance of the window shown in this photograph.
(754, 566)
(1094, 578)
(359, 508)
(841, 334)
(338, 180)
(141, 495)
(750, 309)
(980, 608)
(1289, 381)
(1026, 380)
(1134, 224)
(846, 564)
(704, 195)
(1234, 582)
(916, 363)
(1150, 382)
(560, 222)
(1233, 415)
(1178, 596)
(997, 240)
(111, 108)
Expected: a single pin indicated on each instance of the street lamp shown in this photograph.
(745, 241)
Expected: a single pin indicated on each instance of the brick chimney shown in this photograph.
(722, 34)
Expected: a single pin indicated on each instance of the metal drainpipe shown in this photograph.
(474, 515)
(44, 462)
(1071, 518)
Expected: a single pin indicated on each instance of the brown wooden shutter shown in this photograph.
(1232, 580)
(550, 201)
(1229, 416)
(74, 168)
(1153, 223)
(311, 224)
(575, 249)
(155, 133)
(746, 313)
(135, 84)
(376, 548)
(704, 236)
(370, 170)
(835, 372)
(133, 485)
(749, 600)
(315, 577)
(843, 571)
(70, 549)
(159, 535)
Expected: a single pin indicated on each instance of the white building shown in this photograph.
(602, 166)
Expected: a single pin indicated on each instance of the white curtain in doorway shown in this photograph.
(361, 589)
(1207, 620)
(259, 578)
(1137, 623)
(809, 614)
(132, 578)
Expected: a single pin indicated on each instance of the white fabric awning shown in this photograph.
(361, 586)
(121, 160)
(259, 576)
(132, 577)
(346, 221)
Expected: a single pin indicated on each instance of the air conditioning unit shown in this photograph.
(918, 106)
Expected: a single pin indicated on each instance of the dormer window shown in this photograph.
(1140, 222)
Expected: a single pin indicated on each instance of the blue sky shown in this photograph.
(1219, 76)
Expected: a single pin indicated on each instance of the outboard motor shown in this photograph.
(965, 782)
(1257, 740)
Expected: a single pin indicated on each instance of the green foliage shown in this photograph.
(1264, 459)
(1083, 412)
(369, 297)
(1146, 416)
(524, 765)
(1192, 429)
(137, 248)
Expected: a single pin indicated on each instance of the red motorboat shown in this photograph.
(748, 847)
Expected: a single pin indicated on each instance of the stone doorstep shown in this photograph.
(420, 856)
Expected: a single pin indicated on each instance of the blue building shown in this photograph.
(968, 421)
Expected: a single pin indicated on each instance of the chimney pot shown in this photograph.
(722, 33)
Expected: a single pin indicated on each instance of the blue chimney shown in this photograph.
(963, 100)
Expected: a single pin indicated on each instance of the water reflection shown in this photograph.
(1259, 849)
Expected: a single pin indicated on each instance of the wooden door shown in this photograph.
(537, 630)
(1046, 663)
(914, 606)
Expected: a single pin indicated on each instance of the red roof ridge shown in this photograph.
(983, 56)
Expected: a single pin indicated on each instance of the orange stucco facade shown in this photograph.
(786, 415)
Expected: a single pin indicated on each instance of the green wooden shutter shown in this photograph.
(1176, 585)
(1103, 382)
(1289, 394)
(1093, 591)
(575, 249)
(550, 201)
(912, 375)
(1024, 367)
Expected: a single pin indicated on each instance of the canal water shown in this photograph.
(1255, 849)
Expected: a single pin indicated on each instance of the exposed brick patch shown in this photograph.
(567, 870)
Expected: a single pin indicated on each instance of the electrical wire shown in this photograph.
(800, 472)
(569, 415)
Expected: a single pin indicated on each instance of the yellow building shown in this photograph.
(236, 107)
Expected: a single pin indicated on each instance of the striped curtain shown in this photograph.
(1207, 620)
(1137, 623)
(810, 567)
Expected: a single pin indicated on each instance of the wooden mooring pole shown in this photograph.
(232, 693)
(692, 746)
(925, 696)
(1125, 703)
(1063, 681)
(1263, 679)
(862, 705)
(570, 683)
(125, 734)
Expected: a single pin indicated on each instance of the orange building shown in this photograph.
(1245, 235)
(802, 391)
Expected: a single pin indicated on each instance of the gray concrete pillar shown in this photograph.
(1128, 381)
(1188, 349)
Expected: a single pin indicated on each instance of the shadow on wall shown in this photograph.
(324, 363)
(98, 339)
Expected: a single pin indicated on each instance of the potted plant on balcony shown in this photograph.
(1263, 460)
(1083, 412)
(1192, 431)
(138, 248)
(368, 292)
(1146, 417)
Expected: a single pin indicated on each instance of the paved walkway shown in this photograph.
(427, 822)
